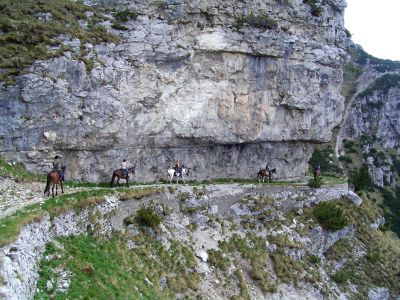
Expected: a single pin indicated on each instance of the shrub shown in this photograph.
(146, 216)
(126, 15)
(217, 259)
(361, 179)
(315, 182)
(341, 276)
(314, 259)
(322, 157)
(259, 21)
(329, 216)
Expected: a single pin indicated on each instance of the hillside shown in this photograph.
(207, 241)
(224, 86)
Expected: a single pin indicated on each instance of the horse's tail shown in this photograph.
(47, 189)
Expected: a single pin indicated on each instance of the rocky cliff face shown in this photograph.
(190, 80)
(372, 116)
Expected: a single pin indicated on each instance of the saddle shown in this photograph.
(124, 172)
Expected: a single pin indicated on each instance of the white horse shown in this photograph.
(171, 173)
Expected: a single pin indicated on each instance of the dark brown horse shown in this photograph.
(317, 173)
(119, 173)
(263, 173)
(54, 178)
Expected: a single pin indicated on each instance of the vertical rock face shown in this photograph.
(190, 80)
(373, 115)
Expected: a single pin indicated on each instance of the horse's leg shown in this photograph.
(52, 190)
(112, 179)
(118, 181)
(127, 181)
(62, 187)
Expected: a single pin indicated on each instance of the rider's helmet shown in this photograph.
(124, 160)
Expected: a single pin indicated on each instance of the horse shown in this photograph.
(263, 173)
(317, 173)
(172, 173)
(54, 178)
(119, 173)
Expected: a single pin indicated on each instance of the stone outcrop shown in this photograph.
(185, 82)
(372, 116)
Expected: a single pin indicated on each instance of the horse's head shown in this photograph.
(132, 170)
(273, 171)
(63, 168)
(186, 171)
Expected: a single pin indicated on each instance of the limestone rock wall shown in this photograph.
(187, 83)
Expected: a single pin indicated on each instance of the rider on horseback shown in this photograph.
(124, 168)
(267, 166)
(57, 166)
(178, 169)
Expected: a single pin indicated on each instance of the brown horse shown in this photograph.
(119, 173)
(317, 173)
(54, 178)
(263, 173)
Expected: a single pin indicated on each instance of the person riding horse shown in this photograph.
(317, 171)
(178, 169)
(124, 168)
(58, 166)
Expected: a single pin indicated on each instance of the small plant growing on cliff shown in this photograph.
(261, 21)
(146, 216)
(329, 216)
(361, 179)
(316, 10)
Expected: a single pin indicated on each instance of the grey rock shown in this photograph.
(354, 198)
(223, 100)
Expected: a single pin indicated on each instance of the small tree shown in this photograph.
(361, 179)
(329, 216)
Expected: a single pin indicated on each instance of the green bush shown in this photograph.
(315, 182)
(329, 216)
(341, 276)
(146, 216)
(126, 15)
(361, 179)
(262, 21)
(322, 157)
(217, 259)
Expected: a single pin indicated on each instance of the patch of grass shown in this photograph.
(315, 7)
(244, 291)
(11, 226)
(18, 172)
(30, 28)
(382, 84)
(261, 21)
(146, 216)
(329, 216)
(342, 276)
(105, 268)
(218, 259)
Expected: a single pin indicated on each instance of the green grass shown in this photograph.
(329, 216)
(11, 226)
(27, 38)
(104, 268)
(18, 171)
(261, 21)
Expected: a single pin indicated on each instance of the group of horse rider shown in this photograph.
(58, 166)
